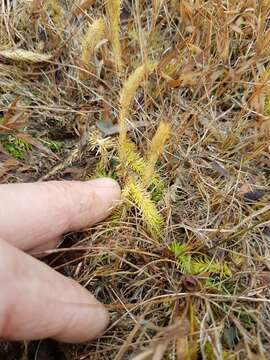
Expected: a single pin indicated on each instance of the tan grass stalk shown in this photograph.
(25, 55)
(83, 6)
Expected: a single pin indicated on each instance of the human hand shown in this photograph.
(35, 301)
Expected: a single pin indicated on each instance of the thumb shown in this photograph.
(35, 215)
(37, 302)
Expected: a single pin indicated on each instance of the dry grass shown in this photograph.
(211, 85)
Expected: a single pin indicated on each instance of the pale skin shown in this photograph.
(37, 302)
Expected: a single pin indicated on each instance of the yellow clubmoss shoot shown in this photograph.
(157, 145)
(113, 8)
(56, 13)
(94, 34)
(127, 94)
(267, 106)
(136, 192)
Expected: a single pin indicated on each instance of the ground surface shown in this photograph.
(211, 83)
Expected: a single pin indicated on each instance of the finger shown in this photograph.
(41, 251)
(33, 214)
(37, 302)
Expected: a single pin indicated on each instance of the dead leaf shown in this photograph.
(25, 55)
(36, 6)
(244, 189)
(220, 169)
(188, 77)
(109, 129)
(8, 165)
(10, 111)
(14, 123)
(85, 4)
(254, 195)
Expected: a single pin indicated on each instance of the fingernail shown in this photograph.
(105, 183)
(107, 189)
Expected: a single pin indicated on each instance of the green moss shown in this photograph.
(209, 351)
(53, 145)
(157, 189)
(16, 147)
(102, 173)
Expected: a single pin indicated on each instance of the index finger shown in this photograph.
(34, 214)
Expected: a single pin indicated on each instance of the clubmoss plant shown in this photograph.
(137, 185)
